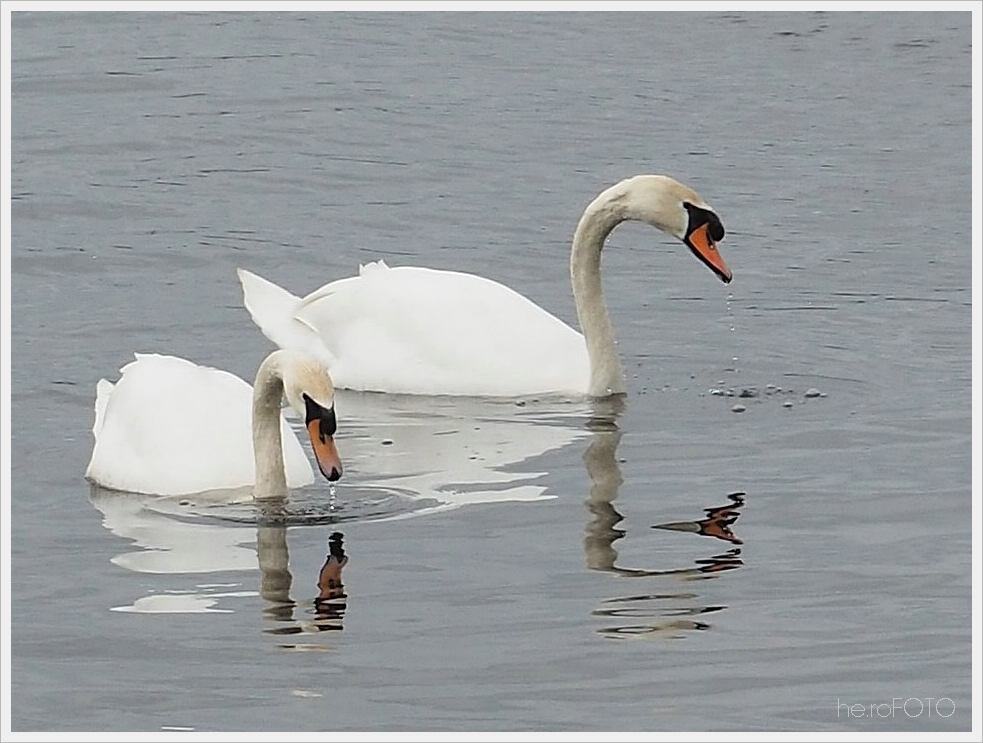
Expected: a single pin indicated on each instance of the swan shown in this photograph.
(172, 427)
(423, 331)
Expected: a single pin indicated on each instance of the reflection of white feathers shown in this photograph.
(180, 602)
(453, 451)
(171, 545)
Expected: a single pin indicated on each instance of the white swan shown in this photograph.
(423, 331)
(171, 427)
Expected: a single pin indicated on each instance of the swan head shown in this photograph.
(309, 390)
(678, 210)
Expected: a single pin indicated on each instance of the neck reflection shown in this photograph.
(663, 610)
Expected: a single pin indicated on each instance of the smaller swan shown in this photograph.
(171, 427)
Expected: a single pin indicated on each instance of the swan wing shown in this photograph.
(170, 427)
(423, 331)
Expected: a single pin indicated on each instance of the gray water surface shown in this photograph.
(813, 554)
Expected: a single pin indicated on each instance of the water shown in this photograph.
(812, 553)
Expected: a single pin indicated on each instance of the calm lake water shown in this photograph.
(812, 569)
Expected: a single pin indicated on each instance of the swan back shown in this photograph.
(425, 331)
(170, 427)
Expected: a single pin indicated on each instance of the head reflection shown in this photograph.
(332, 601)
(717, 522)
(328, 608)
(665, 611)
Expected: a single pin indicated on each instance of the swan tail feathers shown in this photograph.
(104, 389)
(263, 297)
(274, 310)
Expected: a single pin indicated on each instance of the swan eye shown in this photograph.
(329, 424)
(716, 228)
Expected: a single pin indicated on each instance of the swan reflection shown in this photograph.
(405, 456)
(717, 522)
(662, 613)
(171, 545)
(446, 452)
(326, 612)
(167, 541)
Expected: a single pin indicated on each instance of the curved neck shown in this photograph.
(607, 376)
(271, 478)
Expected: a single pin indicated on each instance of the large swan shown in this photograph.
(424, 331)
(171, 427)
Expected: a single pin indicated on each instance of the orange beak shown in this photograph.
(705, 249)
(324, 451)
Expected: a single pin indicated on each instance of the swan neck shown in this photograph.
(607, 376)
(271, 478)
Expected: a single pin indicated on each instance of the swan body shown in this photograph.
(424, 331)
(172, 427)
